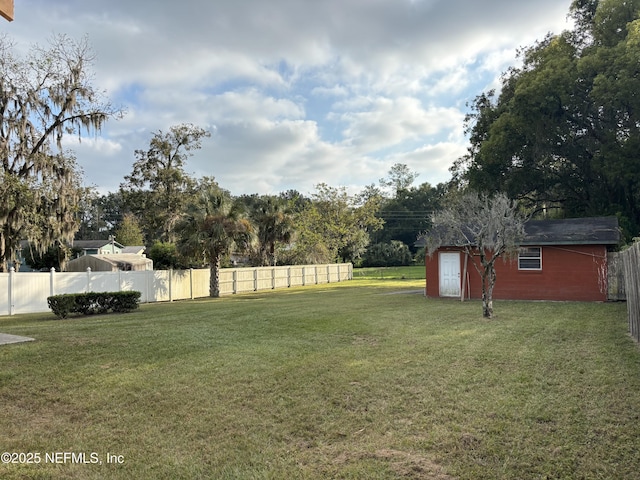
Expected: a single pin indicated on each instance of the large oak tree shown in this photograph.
(44, 96)
(564, 132)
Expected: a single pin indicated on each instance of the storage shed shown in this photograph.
(558, 260)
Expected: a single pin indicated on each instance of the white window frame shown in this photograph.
(526, 253)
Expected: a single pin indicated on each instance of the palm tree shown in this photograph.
(274, 223)
(212, 226)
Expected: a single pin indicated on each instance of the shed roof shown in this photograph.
(114, 260)
(572, 231)
(567, 231)
(118, 258)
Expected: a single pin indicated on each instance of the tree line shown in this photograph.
(561, 137)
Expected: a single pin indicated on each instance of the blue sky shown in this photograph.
(294, 92)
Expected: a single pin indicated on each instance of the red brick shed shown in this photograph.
(559, 260)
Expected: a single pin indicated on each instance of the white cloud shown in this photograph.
(295, 92)
(387, 122)
(97, 145)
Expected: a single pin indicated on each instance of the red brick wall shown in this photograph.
(569, 272)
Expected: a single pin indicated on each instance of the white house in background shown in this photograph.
(108, 256)
(97, 247)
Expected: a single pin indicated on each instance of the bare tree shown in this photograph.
(486, 228)
(44, 96)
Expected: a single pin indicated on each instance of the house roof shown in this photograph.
(117, 258)
(572, 231)
(568, 231)
(135, 249)
(93, 243)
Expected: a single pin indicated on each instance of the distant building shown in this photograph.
(110, 263)
(97, 247)
(108, 256)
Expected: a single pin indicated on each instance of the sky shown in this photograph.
(294, 92)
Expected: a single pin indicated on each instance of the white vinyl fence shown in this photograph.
(27, 292)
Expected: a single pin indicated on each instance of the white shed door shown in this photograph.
(449, 274)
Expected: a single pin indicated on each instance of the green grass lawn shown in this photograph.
(351, 380)
(415, 272)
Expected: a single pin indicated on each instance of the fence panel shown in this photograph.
(227, 283)
(281, 277)
(137, 281)
(30, 292)
(615, 277)
(309, 275)
(264, 278)
(103, 281)
(180, 284)
(160, 290)
(27, 292)
(244, 280)
(200, 279)
(631, 264)
(4, 294)
(70, 282)
(296, 277)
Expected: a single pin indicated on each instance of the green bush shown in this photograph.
(125, 301)
(93, 303)
(62, 305)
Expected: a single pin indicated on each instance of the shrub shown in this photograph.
(62, 305)
(93, 302)
(125, 301)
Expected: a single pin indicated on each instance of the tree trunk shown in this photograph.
(272, 254)
(488, 282)
(214, 279)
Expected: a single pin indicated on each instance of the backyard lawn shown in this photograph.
(358, 380)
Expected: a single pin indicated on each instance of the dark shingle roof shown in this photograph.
(573, 231)
(93, 243)
(568, 231)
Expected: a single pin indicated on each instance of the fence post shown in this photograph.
(273, 278)
(255, 279)
(304, 276)
(52, 291)
(315, 271)
(148, 284)
(288, 277)
(12, 272)
(170, 285)
(88, 280)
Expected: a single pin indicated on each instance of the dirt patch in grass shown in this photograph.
(403, 464)
(412, 465)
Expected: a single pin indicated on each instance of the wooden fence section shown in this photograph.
(27, 292)
(615, 277)
(631, 264)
